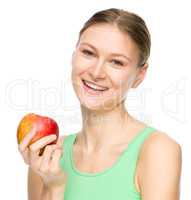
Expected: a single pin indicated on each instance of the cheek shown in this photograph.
(80, 64)
(120, 79)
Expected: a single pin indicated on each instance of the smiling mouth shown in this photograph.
(92, 88)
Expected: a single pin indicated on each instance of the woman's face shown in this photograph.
(106, 59)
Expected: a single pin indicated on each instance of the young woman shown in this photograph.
(114, 156)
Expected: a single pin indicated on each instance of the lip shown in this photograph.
(91, 91)
(95, 84)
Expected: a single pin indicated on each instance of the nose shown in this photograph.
(97, 71)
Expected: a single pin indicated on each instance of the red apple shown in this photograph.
(44, 126)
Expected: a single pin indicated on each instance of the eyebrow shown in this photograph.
(115, 54)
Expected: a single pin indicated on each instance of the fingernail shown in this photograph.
(53, 136)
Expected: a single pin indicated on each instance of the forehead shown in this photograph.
(108, 37)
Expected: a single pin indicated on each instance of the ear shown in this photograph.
(140, 75)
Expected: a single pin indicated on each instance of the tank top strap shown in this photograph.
(65, 159)
(140, 138)
(129, 162)
(133, 149)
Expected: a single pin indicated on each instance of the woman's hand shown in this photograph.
(47, 164)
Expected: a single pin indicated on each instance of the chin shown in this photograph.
(95, 105)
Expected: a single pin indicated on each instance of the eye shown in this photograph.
(87, 52)
(118, 62)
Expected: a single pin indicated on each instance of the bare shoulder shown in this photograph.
(160, 165)
(160, 143)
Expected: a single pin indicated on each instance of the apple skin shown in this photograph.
(44, 126)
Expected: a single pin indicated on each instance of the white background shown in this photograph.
(36, 42)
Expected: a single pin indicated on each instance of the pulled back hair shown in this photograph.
(128, 23)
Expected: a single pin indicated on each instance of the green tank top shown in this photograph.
(116, 182)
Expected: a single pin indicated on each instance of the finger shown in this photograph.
(44, 168)
(54, 163)
(25, 155)
(36, 146)
(26, 140)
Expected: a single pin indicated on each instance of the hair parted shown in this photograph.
(127, 22)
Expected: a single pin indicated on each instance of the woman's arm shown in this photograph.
(37, 190)
(53, 193)
(160, 172)
(35, 185)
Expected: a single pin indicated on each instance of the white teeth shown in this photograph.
(95, 87)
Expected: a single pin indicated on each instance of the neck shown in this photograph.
(102, 129)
